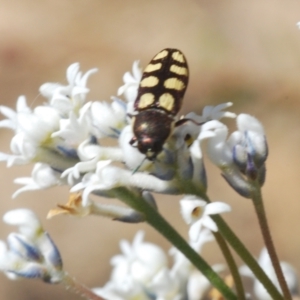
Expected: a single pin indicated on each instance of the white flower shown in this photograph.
(12, 116)
(33, 129)
(141, 272)
(92, 181)
(166, 286)
(217, 149)
(197, 285)
(88, 151)
(108, 118)
(42, 177)
(75, 130)
(196, 212)
(39, 125)
(90, 155)
(70, 97)
(107, 177)
(133, 158)
(128, 290)
(199, 174)
(24, 151)
(131, 83)
(28, 223)
(212, 113)
(142, 260)
(30, 253)
(217, 113)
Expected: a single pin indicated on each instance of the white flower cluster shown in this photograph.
(142, 272)
(31, 252)
(66, 138)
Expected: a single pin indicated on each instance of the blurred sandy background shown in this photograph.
(247, 52)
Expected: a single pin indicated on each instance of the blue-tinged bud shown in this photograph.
(167, 156)
(50, 252)
(253, 138)
(149, 199)
(30, 253)
(30, 270)
(162, 171)
(23, 248)
(68, 152)
(238, 183)
(251, 169)
(185, 166)
(249, 148)
(55, 159)
(133, 217)
(199, 174)
(257, 147)
(239, 157)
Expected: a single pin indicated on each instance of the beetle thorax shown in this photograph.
(152, 128)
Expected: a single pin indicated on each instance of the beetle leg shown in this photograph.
(132, 141)
(184, 120)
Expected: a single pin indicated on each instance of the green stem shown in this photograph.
(238, 246)
(232, 265)
(262, 218)
(152, 216)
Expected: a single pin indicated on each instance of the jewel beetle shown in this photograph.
(159, 99)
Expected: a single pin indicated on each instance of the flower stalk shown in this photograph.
(263, 223)
(232, 265)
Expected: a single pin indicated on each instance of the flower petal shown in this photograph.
(209, 223)
(217, 208)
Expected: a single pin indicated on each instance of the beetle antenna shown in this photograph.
(137, 168)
